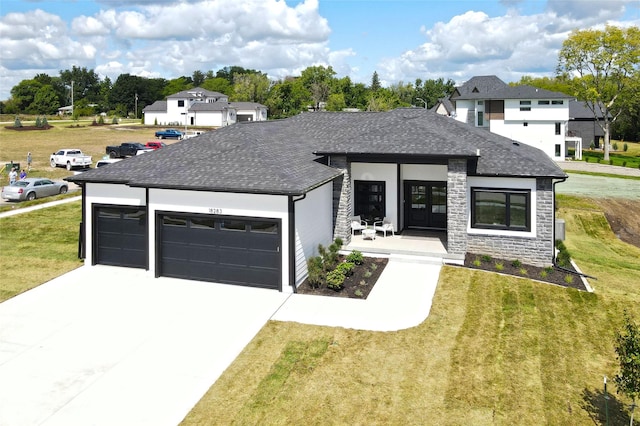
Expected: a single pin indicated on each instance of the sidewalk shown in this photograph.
(598, 168)
(19, 210)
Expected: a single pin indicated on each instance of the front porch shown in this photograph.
(430, 245)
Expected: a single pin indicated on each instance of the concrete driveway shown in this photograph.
(111, 346)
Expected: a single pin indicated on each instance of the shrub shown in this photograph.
(568, 279)
(592, 146)
(599, 160)
(548, 269)
(615, 146)
(611, 162)
(329, 255)
(38, 122)
(485, 258)
(543, 274)
(101, 120)
(516, 263)
(115, 120)
(374, 266)
(45, 123)
(477, 262)
(316, 274)
(564, 258)
(358, 293)
(523, 272)
(625, 147)
(368, 274)
(17, 122)
(355, 257)
(335, 280)
(346, 268)
(499, 266)
(624, 164)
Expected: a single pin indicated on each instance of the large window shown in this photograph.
(369, 199)
(501, 209)
(480, 118)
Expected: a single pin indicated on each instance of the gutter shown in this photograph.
(292, 240)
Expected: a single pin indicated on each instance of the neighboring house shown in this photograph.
(583, 124)
(248, 204)
(526, 114)
(200, 107)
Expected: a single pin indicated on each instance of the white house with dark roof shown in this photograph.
(200, 107)
(526, 114)
(250, 203)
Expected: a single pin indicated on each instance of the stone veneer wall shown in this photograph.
(457, 208)
(342, 205)
(535, 251)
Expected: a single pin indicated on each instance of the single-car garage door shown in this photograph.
(120, 236)
(243, 251)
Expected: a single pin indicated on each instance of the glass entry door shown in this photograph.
(425, 204)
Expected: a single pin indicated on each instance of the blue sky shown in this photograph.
(400, 39)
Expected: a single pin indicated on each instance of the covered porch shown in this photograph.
(427, 244)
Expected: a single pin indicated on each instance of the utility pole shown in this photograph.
(136, 105)
(71, 98)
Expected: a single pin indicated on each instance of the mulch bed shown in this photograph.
(358, 285)
(47, 127)
(548, 275)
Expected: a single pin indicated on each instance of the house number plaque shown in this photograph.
(214, 210)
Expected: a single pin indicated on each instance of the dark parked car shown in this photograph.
(32, 188)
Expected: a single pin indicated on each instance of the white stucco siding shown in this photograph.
(213, 119)
(503, 183)
(222, 204)
(431, 172)
(314, 225)
(99, 193)
(380, 172)
(539, 134)
(462, 109)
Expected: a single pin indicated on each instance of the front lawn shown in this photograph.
(38, 246)
(494, 350)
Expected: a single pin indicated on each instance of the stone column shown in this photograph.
(342, 205)
(457, 207)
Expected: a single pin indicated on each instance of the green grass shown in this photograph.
(498, 350)
(38, 246)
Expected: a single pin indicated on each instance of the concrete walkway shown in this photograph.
(113, 346)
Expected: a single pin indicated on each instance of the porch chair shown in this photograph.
(357, 224)
(385, 225)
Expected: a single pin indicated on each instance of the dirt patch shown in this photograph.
(356, 286)
(23, 128)
(623, 217)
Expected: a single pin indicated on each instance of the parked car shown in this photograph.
(107, 161)
(155, 145)
(32, 188)
(192, 134)
(169, 133)
(71, 158)
(125, 149)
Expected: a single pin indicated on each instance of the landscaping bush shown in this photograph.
(625, 147)
(316, 273)
(564, 258)
(355, 257)
(346, 268)
(335, 279)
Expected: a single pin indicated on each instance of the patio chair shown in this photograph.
(357, 224)
(385, 225)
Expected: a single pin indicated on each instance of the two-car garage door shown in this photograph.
(242, 251)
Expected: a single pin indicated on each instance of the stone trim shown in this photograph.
(457, 207)
(342, 205)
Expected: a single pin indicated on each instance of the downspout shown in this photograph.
(553, 230)
(82, 238)
(292, 240)
(146, 225)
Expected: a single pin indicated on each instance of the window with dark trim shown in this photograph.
(558, 150)
(525, 105)
(369, 199)
(543, 102)
(557, 102)
(181, 103)
(503, 209)
(558, 128)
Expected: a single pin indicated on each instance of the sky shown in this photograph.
(402, 40)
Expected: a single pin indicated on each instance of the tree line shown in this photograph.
(317, 87)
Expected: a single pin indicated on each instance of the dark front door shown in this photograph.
(425, 204)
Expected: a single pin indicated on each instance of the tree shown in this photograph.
(318, 80)
(86, 83)
(198, 78)
(253, 87)
(628, 351)
(45, 101)
(603, 62)
(218, 84)
(375, 82)
(336, 102)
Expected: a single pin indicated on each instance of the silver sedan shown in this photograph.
(32, 188)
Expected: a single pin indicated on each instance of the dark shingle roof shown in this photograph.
(491, 87)
(190, 93)
(156, 106)
(578, 110)
(279, 157)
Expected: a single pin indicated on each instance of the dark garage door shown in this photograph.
(120, 236)
(243, 251)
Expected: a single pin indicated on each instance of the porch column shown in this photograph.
(457, 208)
(342, 205)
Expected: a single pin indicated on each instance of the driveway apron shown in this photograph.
(106, 346)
